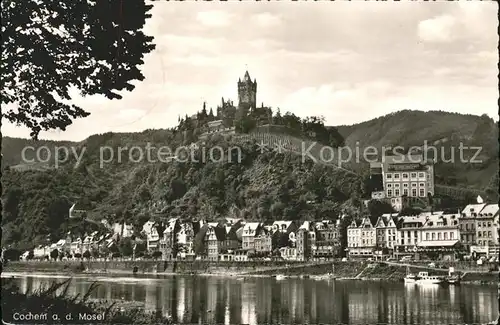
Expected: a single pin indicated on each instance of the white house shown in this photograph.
(249, 232)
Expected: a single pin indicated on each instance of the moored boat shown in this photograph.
(453, 279)
(425, 278)
(280, 277)
(410, 278)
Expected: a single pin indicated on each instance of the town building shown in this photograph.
(168, 244)
(248, 237)
(288, 253)
(152, 238)
(233, 240)
(123, 230)
(386, 233)
(263, 242)
(217, 127)
(487, 225)
(185, 239)
(409, 234)
(283, 234)
(467, 223)
(215, 239)
(402, 180)
(439, 237)
(361, 238)
(305, 240)
(327, 240)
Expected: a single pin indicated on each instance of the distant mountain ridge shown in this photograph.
(404, 128)
(269, 185)
(442, 130)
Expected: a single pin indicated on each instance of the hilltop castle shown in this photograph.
(227, 113)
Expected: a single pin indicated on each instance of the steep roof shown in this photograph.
(220, 233)
(247, 76)
(232, 233)
(490, 209)
(473, 208)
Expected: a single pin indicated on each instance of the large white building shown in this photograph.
(402, 180)
(361, 238)
(407, 175)
(440, 234)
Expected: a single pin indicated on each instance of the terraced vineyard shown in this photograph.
(329, 156)
(307, 148)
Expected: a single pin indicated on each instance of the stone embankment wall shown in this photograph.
(351, 269)
(158, 267)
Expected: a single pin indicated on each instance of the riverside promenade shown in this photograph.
(360, 270)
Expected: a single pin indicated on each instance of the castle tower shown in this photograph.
(247, 94)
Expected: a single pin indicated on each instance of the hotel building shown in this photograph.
(403, 179)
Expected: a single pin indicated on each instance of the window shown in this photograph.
(396, 192)
(421, 175)
(405, 185)
(484, 224)
(451, 235)
(413, 175)
(489, 224)
(389, 185)
(413, 184)
(484, 233)
(445, 236)
(405, 175)
(439, 236)
(489, 234)
(413, 192)
(389, 193)
(388, 176)
(405, 191)
(427, 236)
(396, 185)
(479, 234)
(422, 185)
(396, 176)
(433, 236)
(422, 192)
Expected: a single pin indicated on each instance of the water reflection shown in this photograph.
(261, 300)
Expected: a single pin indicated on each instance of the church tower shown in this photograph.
(247, 94)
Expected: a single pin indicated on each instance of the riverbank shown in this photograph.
(351, 270)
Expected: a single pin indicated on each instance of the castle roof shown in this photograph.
(247, 76)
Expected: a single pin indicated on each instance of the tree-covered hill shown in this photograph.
(269, 185)
(442, 130)
(260, 186)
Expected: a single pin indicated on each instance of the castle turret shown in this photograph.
(247, 94)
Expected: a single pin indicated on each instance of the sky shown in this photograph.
(347, 61)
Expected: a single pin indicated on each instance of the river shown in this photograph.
(231, 300)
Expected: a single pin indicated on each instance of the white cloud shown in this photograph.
(267, 19)
(438, 29)
(214, 18)
(130, 114)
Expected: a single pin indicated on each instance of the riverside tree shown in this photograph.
(53, 47)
